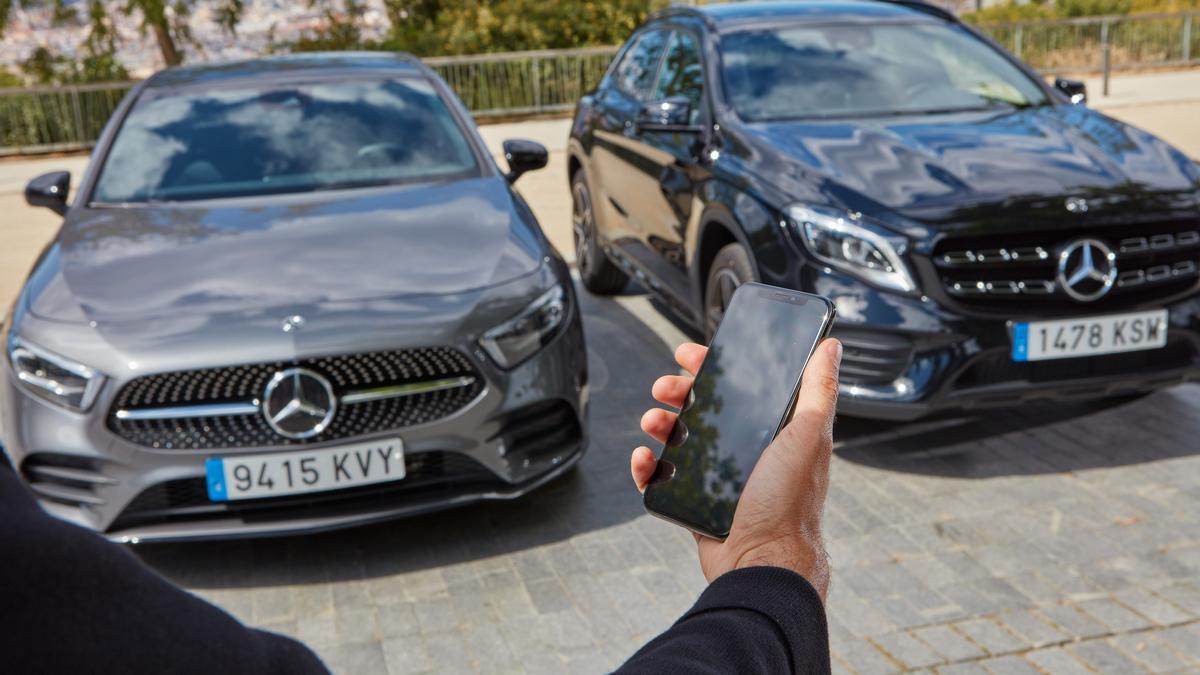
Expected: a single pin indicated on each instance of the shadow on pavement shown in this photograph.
(624, 358)
(1030, 440)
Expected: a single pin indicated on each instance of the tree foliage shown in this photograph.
(1013, 11)
(98, 62)
(448, 27)
(429, 27)
(169, 22)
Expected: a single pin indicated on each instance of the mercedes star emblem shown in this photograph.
(1076, 205)
(298, 403)
(1087, 269)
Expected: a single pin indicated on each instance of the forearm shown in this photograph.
(759, 619)
(72, 602)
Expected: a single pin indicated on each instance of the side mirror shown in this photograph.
(522, 156)
(670, 115)
(49, 190)
(1074, 89)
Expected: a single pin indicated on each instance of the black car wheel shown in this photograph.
(730, 269)
(598, 273)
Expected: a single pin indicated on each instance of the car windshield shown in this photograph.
(858, 70)
(186, 145)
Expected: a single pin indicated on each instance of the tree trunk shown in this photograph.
(166, 45)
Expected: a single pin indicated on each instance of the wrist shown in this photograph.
(810, 562)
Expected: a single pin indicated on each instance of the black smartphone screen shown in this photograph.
(740, 398)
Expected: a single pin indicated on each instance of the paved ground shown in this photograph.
(1054, 539)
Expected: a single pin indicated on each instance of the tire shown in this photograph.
(599, 274)
(730, 268)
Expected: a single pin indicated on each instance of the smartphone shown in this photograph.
(743, 395)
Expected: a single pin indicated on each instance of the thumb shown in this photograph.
(819, 385)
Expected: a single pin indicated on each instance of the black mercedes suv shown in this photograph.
(987, 238)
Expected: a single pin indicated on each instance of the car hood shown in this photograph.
(296, 250)
(931, 167)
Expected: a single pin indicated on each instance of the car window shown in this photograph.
(834, 70)
(252, 140)
(682, 73)
(636, 74)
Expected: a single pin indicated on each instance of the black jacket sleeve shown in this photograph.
(72, 602)
(753, 620)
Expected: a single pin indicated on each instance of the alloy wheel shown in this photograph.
(581, 222)
(727, 281)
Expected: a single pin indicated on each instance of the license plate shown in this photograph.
(1089, 336)
(289, 473)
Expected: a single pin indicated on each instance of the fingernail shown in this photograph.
(837, 351)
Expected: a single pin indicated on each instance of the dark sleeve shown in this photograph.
(753, 620)
(72, 602)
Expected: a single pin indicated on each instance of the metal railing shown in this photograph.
(56, 119)
(1103, 44)
(48, 119)
(521, 83)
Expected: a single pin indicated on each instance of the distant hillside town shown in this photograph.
(264, 22)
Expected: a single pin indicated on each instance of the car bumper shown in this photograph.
(908, 357)
(132, 493)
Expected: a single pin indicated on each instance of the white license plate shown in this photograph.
(289, 473)
(1089, 336)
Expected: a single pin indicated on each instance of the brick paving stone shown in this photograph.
(1103, 657)
(1185, 595)
(1117, 617)
(449, 652)
(356, 657)
(1009, 665)
(1073, 622)
(950, 644)
(1152, 607)
(862, 656)
(1152, 652)
(966, 668)
(990, 636)
(1058, 661)
(1031, 628)
(1183, 639)
(907, 650)
(404, 656)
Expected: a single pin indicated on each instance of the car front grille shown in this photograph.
(872, 357)
(189, 410)
(1000, 272)
(429, 477)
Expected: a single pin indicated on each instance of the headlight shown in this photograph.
(52, 377)
(522, 336)
(840, 240)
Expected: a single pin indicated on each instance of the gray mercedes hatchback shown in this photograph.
(291, 294)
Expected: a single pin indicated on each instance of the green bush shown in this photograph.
(1073, 8)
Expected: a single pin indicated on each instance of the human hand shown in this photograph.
(778, 518)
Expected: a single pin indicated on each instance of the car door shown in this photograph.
(613, 153)
(669, 167)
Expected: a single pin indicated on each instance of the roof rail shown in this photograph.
(681, 10)
(927, 7)
(696, 12)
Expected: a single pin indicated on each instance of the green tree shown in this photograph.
(10, 79)
(99, 63)
(42, 66)
(339, 32)
(168, 22)
(429, 27)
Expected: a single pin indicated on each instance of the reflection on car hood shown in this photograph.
(282, 251)
(928, 166)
